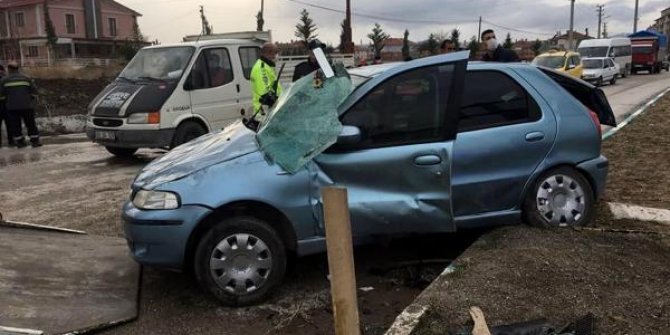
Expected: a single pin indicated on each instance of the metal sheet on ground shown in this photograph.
(61, 283)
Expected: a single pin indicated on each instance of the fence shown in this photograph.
(292, 61)
(71, 62)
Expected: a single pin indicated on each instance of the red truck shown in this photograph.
(649, 52)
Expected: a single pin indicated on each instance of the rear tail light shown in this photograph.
(596, 121)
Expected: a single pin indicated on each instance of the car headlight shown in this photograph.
(155, 200)
(144, 118)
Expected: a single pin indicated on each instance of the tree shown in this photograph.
(537, 45)
(473, 46)
(50, 31)
(508, 42)
(343, 36)
(454, 38)
(305, 29)
(405, 45)
(433, 44)
(259, 21)
(132, 45)
(378, 38)
(207, 28)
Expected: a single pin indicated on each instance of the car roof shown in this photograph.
(206, 43)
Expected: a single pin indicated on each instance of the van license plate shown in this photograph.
(105, 135)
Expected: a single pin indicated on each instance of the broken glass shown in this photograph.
(304, 122)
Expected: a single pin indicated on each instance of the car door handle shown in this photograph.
(534, 136)
(427, 160)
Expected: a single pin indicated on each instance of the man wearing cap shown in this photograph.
(19, 94)
(3, 117)
(265, 87)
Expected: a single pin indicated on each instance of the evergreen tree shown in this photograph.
(378, 38)
(405, 45)
(508, 42)
(454, 38)
(259, 21)
(537, 46)
(473, 46)
(305, 29)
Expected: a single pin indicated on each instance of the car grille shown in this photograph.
(107, 122)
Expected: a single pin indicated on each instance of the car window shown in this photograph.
(249, 56)
(212, 69)
(492, 99)
(406, 109)
(611, 62)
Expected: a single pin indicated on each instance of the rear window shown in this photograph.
(554, 62)
(592, 63)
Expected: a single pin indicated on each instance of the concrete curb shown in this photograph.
(24, 225)
(623, 211)
(635, 114)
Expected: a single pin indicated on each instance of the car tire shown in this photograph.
(121, 152)
(561, 197)
(187, 131)
(599, 82)
(240, 239)
(613, 81)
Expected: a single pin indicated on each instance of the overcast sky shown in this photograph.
(170, 20)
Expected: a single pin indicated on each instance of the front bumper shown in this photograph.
(596, 169)
(133, 138)
(159, 237)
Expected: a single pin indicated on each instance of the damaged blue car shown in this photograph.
(431, 145)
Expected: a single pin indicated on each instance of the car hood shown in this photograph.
(225, 145)
(592, 71)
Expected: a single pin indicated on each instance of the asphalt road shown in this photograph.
(75, 184)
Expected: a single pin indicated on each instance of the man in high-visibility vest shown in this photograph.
(265, 87)
(19, 93)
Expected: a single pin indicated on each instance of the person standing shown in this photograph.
(495, 52)
(19, 93)
(3, 116)
(265, 87)
(306, 67)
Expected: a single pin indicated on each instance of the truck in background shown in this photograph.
(619, 49)
(649, 51)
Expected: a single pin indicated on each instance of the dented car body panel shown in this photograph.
(449, 179)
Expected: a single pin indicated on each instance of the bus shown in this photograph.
(618, 49)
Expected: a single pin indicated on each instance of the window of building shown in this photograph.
(19, 19)
(33, 51)
(69, 24)
(213, 68)
(407, 109)
(492, 99)
(249, 56)
(112, 27)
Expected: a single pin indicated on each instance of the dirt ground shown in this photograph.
(66, 96)
(521, 273)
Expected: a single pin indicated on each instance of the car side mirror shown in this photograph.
(349, 135)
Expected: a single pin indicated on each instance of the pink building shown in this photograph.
(84, 28)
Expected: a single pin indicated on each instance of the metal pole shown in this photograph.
(262, 6)
(637, 2)
(572, 23)
(479, 32)
(600, 18)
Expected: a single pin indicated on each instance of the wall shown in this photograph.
(69, 72)
(124, 21)
(57, 11)
(29, 28)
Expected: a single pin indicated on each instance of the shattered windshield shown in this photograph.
(158, 64)
(304, 122)
(593, 51)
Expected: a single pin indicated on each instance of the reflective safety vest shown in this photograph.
(262, 79)
(18, 92)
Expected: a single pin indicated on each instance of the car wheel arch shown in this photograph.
(260, 210)
(531, 182)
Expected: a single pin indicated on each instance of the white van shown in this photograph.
(170, 94)
(618, 49)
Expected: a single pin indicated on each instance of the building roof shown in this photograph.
(575, 34)
(4, 4)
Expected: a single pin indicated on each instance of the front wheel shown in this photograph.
(613, 81)
(559, 198)
(187, 131)
(121, 152)
(240, 261)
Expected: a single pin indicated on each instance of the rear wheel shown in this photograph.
(187, 131)
(613, 81)
(561, 197)
(599, 82)
(240, 261)
(121, 152)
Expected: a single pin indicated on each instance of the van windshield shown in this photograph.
(593, 52)
(592, 63)
(158, 64)
(553, 62)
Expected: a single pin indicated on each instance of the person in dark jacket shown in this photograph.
(495, 52)
(19, 93)
(306, 67)
(3, 117)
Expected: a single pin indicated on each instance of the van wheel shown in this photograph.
(240, 261)
(121, 152)
(187, 131)
(561, 197)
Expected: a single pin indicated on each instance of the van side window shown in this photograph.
(212, 69)
(248, 57)
(493, 99)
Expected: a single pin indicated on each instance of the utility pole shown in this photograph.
(572, 24)
(600, 11)
(637, 2)
(605, 29)
(348, 35)
(479, 32)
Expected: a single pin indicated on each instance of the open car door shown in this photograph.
(590, 96)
